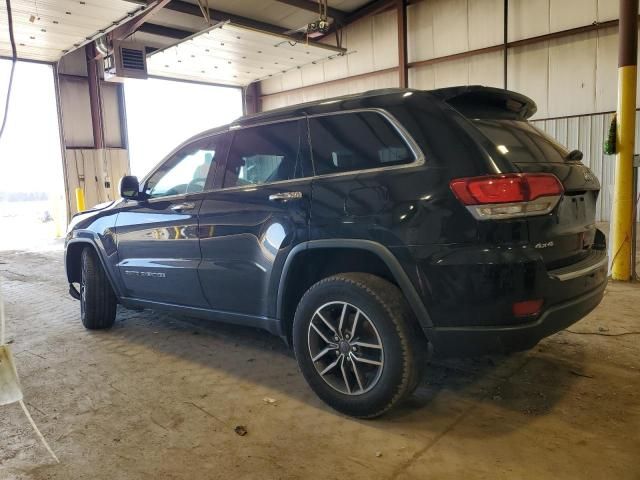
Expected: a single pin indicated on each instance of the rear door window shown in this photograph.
(356, 141)
(521, 141)
(267, 154)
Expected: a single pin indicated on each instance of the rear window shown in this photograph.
(356, 141)
(521, 142)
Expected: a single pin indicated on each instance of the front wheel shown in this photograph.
(97, 301)
(357, 344)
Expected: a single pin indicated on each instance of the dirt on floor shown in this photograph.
(160, 397)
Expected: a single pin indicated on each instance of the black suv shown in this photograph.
(364, 230)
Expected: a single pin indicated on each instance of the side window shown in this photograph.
(268, 153)
(356, 141)
(187, 171)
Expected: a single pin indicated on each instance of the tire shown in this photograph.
(97, 301)
(356, 386)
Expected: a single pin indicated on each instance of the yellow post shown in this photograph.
(80, 199)
(623, 201)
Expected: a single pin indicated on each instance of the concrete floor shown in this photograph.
(159, 396)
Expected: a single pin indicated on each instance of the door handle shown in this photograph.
(183, 206)
(285, 196)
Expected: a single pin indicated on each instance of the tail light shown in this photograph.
(508, 196)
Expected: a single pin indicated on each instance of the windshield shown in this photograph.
(521, 142)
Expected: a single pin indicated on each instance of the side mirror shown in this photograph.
(130, 187)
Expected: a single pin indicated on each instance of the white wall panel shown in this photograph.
(528, 18)
(572, 75)
(420, 31)
(486, 23)
(607, 10)
(452, 73)
(385, 40)
(486, 69)
(336, 68)
(76, 112)
(527, 73)
(111, 114)
(607, 70)
(312, 74)
(360, 43)
(565, 14)
(292, 79)
(422, 77)
(450, 28)
(271, 85)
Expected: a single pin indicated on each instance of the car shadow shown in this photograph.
(528, 384)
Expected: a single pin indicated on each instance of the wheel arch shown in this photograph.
(72, 261)
(367, 256)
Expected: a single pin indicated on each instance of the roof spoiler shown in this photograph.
(482, 102)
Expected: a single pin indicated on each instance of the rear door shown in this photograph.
(158, 245)
(567, 235)
(260, 211)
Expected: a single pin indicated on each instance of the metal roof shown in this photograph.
(47, 29)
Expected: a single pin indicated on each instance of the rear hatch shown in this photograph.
(568, 234)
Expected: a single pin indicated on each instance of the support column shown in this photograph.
(403, 70)
(94, 96)
(623, 201)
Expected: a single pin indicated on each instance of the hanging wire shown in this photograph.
(14, 57)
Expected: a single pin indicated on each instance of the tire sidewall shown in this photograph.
(394, 352)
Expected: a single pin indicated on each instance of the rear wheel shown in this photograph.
(356, 343)
(97, 301)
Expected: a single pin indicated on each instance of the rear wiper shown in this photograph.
(574, 156)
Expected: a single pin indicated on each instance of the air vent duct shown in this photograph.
(128, 60)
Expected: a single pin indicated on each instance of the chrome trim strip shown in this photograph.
(581, 271)
(419, 158)
(473, 209)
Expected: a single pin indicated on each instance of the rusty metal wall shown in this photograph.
(587, 133)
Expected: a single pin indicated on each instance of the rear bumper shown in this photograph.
(466, 341)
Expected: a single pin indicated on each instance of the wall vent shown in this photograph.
(127, 60)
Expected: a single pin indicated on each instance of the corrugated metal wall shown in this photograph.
(568, 76)
(588, 133)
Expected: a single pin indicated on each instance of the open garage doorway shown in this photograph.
(161, 114)
(32, 205)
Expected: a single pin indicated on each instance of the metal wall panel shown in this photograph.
(420, 31)
(385, 40)
(528, 73)
(528, 18)
(486, 69)
(360, 44)
(572, 75)
(450, 74)
(565, 14)
(76, 112)
(486, 23)
(450, 27)
(588, 133)
(422, 77)
(607, 70)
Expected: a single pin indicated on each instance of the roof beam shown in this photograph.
(123, 31)
(311, 6)
(163, 31)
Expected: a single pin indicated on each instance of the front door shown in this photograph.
(260, 211)
(158, 245)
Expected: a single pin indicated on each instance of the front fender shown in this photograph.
(77, 240)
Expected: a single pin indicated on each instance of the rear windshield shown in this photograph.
(521, 141)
